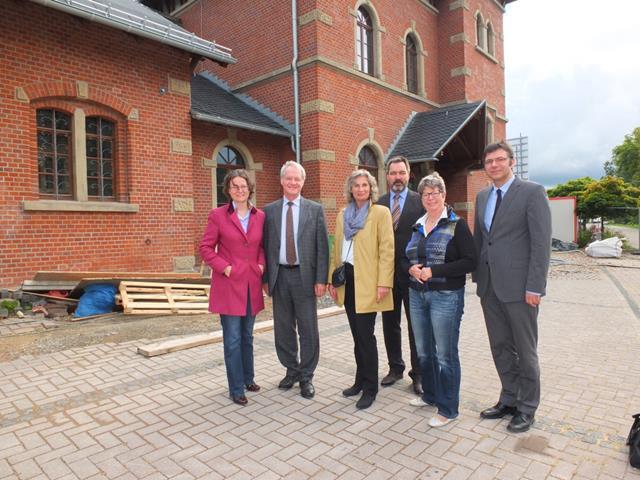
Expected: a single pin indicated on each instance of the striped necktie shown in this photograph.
(395, 211)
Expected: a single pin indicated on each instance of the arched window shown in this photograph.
(368, 160)
(100, 144)
(481, 39)
(411, 52)
(55, 156)
(228, 159)
(491, 43)
(364, 41)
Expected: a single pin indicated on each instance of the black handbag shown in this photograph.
(633, 440)
(339, 275)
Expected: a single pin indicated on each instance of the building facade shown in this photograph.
(113, 144)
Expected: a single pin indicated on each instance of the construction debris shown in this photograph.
(164, 298)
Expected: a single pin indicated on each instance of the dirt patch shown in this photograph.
(117, 328)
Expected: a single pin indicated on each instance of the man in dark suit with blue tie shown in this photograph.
(406, 208)
(513, 238)
(296, 247)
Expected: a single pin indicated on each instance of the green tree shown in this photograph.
(625, 159)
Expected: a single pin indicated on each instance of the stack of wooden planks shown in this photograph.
(163, 298)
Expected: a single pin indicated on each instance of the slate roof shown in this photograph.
(137, 19)
(428, 133)
(212, 101)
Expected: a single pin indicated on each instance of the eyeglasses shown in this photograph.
(496, 160)
(238, 187)
(431, 194)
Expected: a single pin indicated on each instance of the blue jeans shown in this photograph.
(237, 337)
(435, 318)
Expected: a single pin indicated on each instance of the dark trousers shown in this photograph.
(295, 314)
(365, 347)
(391, 327)
(513, 336)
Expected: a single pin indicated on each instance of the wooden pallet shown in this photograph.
(164, 298)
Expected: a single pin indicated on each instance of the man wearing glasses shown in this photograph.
(512, 233)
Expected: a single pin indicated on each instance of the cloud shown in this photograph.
(571, 83)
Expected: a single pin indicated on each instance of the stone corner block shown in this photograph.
(315, 15)
(463, 206)
(181, 145)
(459, 37)
(258, 167)
(183, 205)
(328, 203)
(317, 106)
(318, 155)
(459, 4)
(134, 114)
(184, 264)
(460, 71)
(179, 87)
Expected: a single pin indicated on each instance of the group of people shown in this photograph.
(404, 248)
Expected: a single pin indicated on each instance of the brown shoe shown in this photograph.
(240, 400)
(253, 387)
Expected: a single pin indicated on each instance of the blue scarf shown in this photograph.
(354, 219)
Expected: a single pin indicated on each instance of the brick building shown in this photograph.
(112, 151)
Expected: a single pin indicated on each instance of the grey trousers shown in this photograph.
(513, 336)
(295, 315)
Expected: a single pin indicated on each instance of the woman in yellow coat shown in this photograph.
(364, 243)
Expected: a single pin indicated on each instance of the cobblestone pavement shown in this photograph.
(105, 412)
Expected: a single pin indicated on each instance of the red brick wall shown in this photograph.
(46, 52)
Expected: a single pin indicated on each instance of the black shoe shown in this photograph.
(498, 411)
(306, 389)
(365, 400)
(352, 391)
(416, 384)
(287, 382)
(521, 422)
(391, 378)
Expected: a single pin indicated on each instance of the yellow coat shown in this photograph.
(373, 258)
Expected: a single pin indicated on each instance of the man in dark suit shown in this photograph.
(513, 238)
(406, 208)
(297, 251)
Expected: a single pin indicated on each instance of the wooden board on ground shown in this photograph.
(47, 285)
(183, 343)
(164, 298)
(191, 341)
(77, 276)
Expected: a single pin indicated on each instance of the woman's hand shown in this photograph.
(382, 292)
(333, 292)
(416, 271)
(227, 271)
(261, 267)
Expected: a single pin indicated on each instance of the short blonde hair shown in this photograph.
(433, 180)
(373, 185)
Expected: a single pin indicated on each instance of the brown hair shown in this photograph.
(235, 173)
(502, 145)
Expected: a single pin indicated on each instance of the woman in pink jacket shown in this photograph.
(232, 247)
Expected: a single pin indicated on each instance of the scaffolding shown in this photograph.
(520, 147)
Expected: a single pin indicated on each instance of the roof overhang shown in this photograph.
(205, 117)
(135, 22)
(480, 108)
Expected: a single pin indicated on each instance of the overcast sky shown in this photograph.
(572, 82)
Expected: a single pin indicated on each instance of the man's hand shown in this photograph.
(382, 292)
(532, 299)
(320, 289)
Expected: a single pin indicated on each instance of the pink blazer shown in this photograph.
(225, 243)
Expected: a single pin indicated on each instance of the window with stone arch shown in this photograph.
(228, 158)
(491, 42)
(412, 70)
(481, 39)
(364, 41)
(55, 155)
(368, 160)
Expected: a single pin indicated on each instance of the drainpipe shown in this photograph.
(296, 91)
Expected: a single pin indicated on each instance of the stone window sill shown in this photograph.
(487, 54)
(75, 206)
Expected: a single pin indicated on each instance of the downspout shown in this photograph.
(296, 90)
